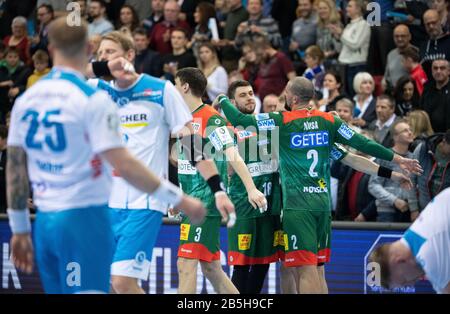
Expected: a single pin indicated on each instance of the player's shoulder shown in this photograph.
(153, 82)
(289, 116)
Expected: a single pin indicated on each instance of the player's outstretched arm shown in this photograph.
(255, 197)
(22, 253)
(143, 179)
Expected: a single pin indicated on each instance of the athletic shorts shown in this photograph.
(254, 241)
(135, 235)
(74, 250)
(307, 236)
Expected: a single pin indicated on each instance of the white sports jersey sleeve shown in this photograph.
(177, 113)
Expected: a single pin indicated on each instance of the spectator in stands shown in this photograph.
(94, 42)
(386, 117)
(60, 6)
(221, 8)
(434, 157)
(41, 67)
(436, 96)
(271, 103)
(3, 140)
(442, 6)
(438, 44)
(45, 15)
(355, 39)
(331, 92)
(2, 51)
(156, 17)
(275, 70)
(364, 85)
(128, 20)
(160, 37)
(410, 61)
(315, 70)
(395, 204)
(284, 12)
(250, 62)
(142, 8)
(330, 45)
(99, 25)
(345, 108)
(83, 9)
(258, 25)
(188, 8)
(210, 66)
(420, 126)
(19, 39)
(146, 60)
(406, 96)
(202, 33)
(304, 28)
(394, 68)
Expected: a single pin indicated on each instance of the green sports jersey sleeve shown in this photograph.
(338, 152)
(347, 136)
(218, 134)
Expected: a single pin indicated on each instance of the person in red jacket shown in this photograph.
(411, 62)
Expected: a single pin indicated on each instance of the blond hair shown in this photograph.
(70, 41)
(124, 40)
(334, 15)
(420, 123)
(360, 78)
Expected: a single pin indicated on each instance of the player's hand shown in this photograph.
(215, 104)
(408, 165)
(401, 205)
(359, 122)
(414, 215)
(226, 208)
(360, 218)
(193, 208)
(404, 181)
(258, 200)
(22, 252)
(121, 68)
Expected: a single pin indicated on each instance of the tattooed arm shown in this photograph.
(22, 253)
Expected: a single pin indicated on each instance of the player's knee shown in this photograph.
(209, 269)
(186, 267)
(124, 284)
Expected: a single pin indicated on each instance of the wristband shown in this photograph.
(384, 172)
(169, 193)
(215, 184)
(19, 220)
(100, 68)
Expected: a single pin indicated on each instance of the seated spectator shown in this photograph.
(364, 85)
(146, 61)
(304, 28)
(315, 70)
(386, 117)
(99, 25)
(188, 8)
(41, 67)
(128, 19)
(406, 96)
(217, 76)
(202, 33)
(45, 15)
(442, 8)
(420, 126)
(434, 157)
(271, 103)
(395, 204)
(19, 39)
(331, 91)
(355, 39)
(3, 141)
(328, 43)
(410, 61)
(156, 17)
(250, 62)
(160, 36)
(435, 99)
(180, 57)
(275, 70)
(345, 108)
(258, 25)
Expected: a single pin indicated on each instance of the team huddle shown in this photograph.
(267, 176)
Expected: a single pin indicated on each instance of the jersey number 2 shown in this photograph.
(315, 157)
(57, 145)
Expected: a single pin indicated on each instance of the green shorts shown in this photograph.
(201, 242)
(254, 241)
(307, 236)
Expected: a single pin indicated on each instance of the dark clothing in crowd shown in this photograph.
(149, 62)
(436, 102)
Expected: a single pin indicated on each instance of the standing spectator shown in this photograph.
(3, 140)
(45, 15)
(128, 19)
(271, 103)
(394, 68)
(315, 70)
(60, 6)
(364, 85)
(202, 33)
(304, 28)
(83, 9)
(221, 12)
(411, 63)
(143, 8)
(214, 72)
(258, 25)
(406, 96)
(41, 67)
(441, 6)
(99, 25)
(146, 60)
(386, 117)
(284, 12)
(395, 204)
(331, 92)
(188, 8)
(180, 57)
(436, 96)
(438, 44)
(156, 17)
(327, 13)
(274, 72)
(420, 126)
(355, 39)
(160, 36)
(249, 63)
(19, 39)
(434, 157)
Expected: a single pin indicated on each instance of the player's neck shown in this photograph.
(125, 83)
(301, 107)
(193, 102)
(73, 64)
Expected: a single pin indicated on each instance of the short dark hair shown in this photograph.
(380, 255)
(390, 100)
(140, 31)
(182, 30)
(12, 49)
(101, 2)
(49, 8)
(412, 53)
(3, 131)
(195, 78)
(235, 85)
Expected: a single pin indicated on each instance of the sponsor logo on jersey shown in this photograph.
(262, 116)
(266, 124)
(244, 241)
(148, 93)
(122, 101)
(310, 125)
(346, 131)
(196, 127)
(220, 137)
(185, 167)
(140, 257)
(336, 154)
(322, 183)
(285, 242)
(309, 139)
(217, 121)
(261, 168)
(184, 231)
(315, 189)
(242, 135)
(134, 120)
(49, 167)
(278, 238)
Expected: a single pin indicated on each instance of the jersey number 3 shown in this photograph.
(56, 145)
